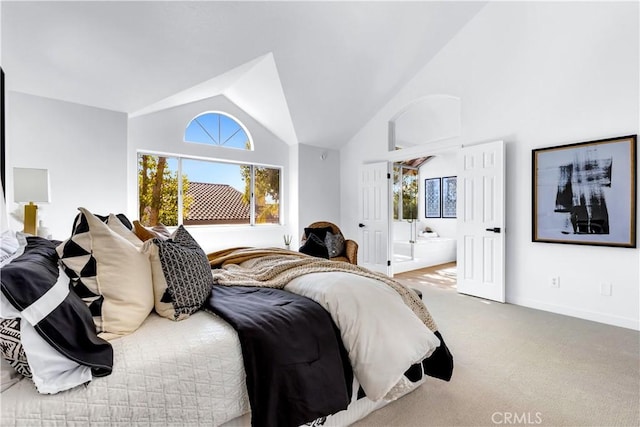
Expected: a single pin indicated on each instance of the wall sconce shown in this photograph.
(30, 185)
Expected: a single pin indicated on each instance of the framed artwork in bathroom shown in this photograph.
(585, 193)
(432, 198)
(449, 196)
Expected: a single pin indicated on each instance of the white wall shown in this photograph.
(91, 157)
(84, 149)
(535, 74)
(163, 132)
(319, 187)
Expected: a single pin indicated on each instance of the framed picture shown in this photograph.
(585, 193)
(449, 196)
(432, 198)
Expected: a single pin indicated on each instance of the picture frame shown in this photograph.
(432, 198)
(585, 193)
(449, 196)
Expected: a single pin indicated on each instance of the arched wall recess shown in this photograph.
(427, 119)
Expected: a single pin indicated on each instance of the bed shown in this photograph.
(280, 338)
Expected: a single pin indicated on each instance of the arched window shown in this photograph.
(217, 128)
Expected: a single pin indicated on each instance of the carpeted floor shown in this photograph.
(519, 366)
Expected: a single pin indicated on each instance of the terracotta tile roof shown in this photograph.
(216, 203)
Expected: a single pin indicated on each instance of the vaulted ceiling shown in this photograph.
(313, 72)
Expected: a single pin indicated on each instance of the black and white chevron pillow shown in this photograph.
(79, 264)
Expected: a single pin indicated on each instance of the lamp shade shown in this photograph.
(30, 185)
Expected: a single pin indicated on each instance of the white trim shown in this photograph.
(49, 301)
(623, 322)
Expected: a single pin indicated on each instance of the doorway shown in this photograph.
(422, 232)
(426, 127)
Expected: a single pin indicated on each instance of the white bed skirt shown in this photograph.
(357, 410)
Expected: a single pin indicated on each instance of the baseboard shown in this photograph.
(623, 322)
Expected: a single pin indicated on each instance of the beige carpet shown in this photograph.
(519, 366)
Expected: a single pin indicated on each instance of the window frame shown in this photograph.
(222, 113)
(180, 196)
(400, 183)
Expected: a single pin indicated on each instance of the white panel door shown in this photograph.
(373, 251)
(481, 238)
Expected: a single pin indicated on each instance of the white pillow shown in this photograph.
(123, 276)
(12, 245)
(51, 371)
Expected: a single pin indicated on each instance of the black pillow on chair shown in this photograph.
(314, 246)
(321, 232)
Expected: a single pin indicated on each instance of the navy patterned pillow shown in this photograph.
(182, 277)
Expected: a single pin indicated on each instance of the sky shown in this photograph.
(214, 128)
(217, 173)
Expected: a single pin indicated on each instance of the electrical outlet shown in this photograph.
(605, 289)
(555, 282)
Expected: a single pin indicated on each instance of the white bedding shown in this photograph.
(381, 334)
(191, 372)
(165, 373)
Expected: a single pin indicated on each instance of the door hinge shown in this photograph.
(388, 263)
(388, 175)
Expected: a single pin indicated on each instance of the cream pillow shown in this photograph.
(123, 277)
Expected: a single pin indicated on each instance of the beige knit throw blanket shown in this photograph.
(274, 268)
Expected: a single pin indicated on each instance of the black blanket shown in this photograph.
(69, 327)
(296, 365)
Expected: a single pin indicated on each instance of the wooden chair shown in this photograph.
(350, 253)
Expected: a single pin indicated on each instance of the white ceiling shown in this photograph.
(337, 62)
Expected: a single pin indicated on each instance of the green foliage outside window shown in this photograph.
(266, 193)
(405, 189)
(158, 191)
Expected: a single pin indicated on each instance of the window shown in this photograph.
(216, 128)
(405, 192)
(180, 190)
(267, 195)
(158, 190)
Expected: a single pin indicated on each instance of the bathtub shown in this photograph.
(426, 253)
